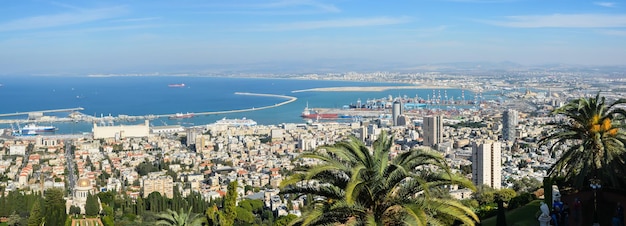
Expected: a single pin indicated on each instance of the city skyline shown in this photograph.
(150, 36)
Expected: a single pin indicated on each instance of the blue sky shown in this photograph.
(87, 36)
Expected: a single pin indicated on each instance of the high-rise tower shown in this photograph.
(396, 111)
(433, 130)
(509, 123)
(487, 163)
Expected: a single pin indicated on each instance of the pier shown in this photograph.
(77, 116)
(289, 100)
(42, 112)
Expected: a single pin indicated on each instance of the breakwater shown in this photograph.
(77, 116)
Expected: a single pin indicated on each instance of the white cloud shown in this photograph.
(620, 33)
(293, 3)
(605, 4)
(563, 21)
(275, 7)
(61, 19)
(142, 19)
(337, 23)
(481, 1)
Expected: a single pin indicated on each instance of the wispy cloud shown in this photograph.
(433, 29)
(563, 21)
(336, 23)
(295, 3)
(605, 4)
(275, 7)
(481, 1)
(620, 33)
(142, 19)
(62, 19)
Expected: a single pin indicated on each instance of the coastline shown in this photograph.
(369, 88)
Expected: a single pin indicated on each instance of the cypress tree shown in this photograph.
(35, 215)
(3, 202)
(230, 205)
(54, 208)
(92, 207)
(141, 206)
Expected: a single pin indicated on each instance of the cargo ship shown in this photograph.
(178, 85)
(181, 116)
(235, 122)
(312, 114)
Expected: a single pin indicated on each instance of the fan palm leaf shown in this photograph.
(589, 141)
(357, 185)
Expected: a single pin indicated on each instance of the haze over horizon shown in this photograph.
(147, 36)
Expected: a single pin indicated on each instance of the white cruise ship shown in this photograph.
(235, 122)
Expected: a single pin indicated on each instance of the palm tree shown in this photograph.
(354, 185)
(590, 140)
(173, 218)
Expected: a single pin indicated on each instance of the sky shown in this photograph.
(143, 36)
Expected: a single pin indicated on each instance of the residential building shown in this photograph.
(487, 163)
(433, 130)
(163, 184)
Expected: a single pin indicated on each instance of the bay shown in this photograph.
(145, 95)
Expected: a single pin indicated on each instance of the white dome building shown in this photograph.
(81, 190)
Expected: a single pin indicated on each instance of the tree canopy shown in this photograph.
(589, 140)
(354, 184)
(54, 208)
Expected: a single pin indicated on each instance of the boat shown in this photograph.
(181, 116)
(32, 129)
(346, 116)
(177, 85)
(235, 122)
(312, 114)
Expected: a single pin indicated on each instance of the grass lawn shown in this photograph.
(522, 216)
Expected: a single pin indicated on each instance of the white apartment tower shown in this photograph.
(509, 123)
(396, 111)
(487, 163)
(433, 130)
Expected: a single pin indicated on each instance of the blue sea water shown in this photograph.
(151, 95)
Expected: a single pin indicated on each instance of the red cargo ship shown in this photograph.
(307, 113)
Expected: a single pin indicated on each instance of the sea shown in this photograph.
(152, 95)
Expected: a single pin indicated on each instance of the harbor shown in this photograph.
(75, 115)
(74, 120)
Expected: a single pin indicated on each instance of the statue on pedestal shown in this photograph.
(544, 218)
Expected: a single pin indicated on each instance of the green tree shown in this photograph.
(252, 205)
(244, 216)
(484, 194)
(35, 215)
(230, 205)
(590, 142)
(212, 215)
(505, 194)
(109, 215)
(92, 207)
(285, 220)
(74, 210)
(179, 218)
(14, 219)
(106, 197)
(525, 184)
(365, 187)
(54, 208)
(227, 216)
